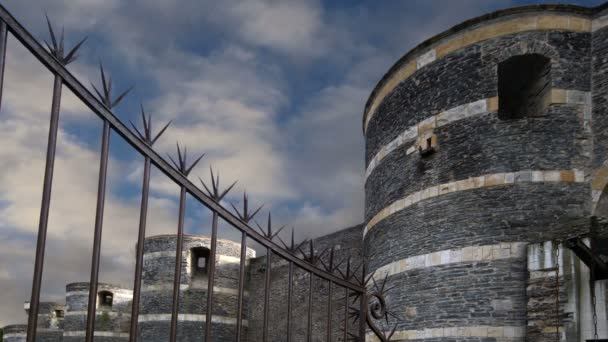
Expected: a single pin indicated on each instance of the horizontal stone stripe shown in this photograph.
(189, 318)
(567, 176)
(82, 333)
(506, 250)
(184, 287)
(226, 259)
(470, 331)
(467, 110)
(38, 331)
(14, 335)
(470, 37)
(109, 313)
(126, 294)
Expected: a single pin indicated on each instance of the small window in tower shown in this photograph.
(524, 86)
(105, 299)
(59, 313)
(199, 262)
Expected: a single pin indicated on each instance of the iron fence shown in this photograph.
(361, 307)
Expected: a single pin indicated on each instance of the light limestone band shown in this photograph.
(508, 250)
(567, 176)
(83, 333)
(38, 330)
(190, 318)
(509, 333)
(487, 31)
(98, 312)
(467, 110)
(222, 259)
(184, 287)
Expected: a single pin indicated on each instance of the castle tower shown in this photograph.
(157, 288)
(481, 143)
(113, 312)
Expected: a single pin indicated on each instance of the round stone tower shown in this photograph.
(481, 140)
(113, 312)
(157, 288)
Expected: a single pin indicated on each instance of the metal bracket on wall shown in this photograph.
(584, 253)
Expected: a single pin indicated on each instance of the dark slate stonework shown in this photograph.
(463, 294)
(550, 142)
(158, 273)
(347, 243)
(560, 138)
(600, 96)
(505, 213)
(469, 75)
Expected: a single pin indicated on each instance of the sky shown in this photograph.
(271, 91)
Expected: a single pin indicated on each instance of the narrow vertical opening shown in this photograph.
(105, 299)
(524, 86)
(199, 262)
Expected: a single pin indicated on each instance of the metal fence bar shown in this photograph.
(329, 312)
(211, 276)
(267, 294)
(101, 196)
(309, 328)
(141, 236)
(178, 264)
(345, 336)
(239, 318)
(289, 295)
(51, 148)
(3, 42)
(121, 129)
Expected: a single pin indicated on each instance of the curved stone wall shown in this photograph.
(111, 321)
(450, 226)
(157, 289)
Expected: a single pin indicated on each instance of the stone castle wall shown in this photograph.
(451, 227)
(157, 290)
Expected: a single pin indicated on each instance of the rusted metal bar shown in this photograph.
(51, 148)
(329, 299)
(3, 40)
(267, 294)
(239, 318)
(310, 286)
(211, 276)
(345, 335)
(178, 265)
(141, 236)
(289, 295)
(120, 128)
(101, 197)
(363, 308)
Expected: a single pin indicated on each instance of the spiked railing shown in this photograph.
(316, 264)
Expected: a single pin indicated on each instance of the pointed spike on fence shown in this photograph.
(53, 40)
(143, 118)
(206, 188)
(223, 194)
(193, 164)
(160, 133)
(71, 56)
(103, 83)
(109, 86)
(121, 97)
(61, 43)
(260, 228)
(213, 185)
(236, 211)
(142, 137)
(173, 161)
(269, 227)
(98, 94)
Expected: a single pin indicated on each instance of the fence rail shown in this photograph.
(353, 280)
